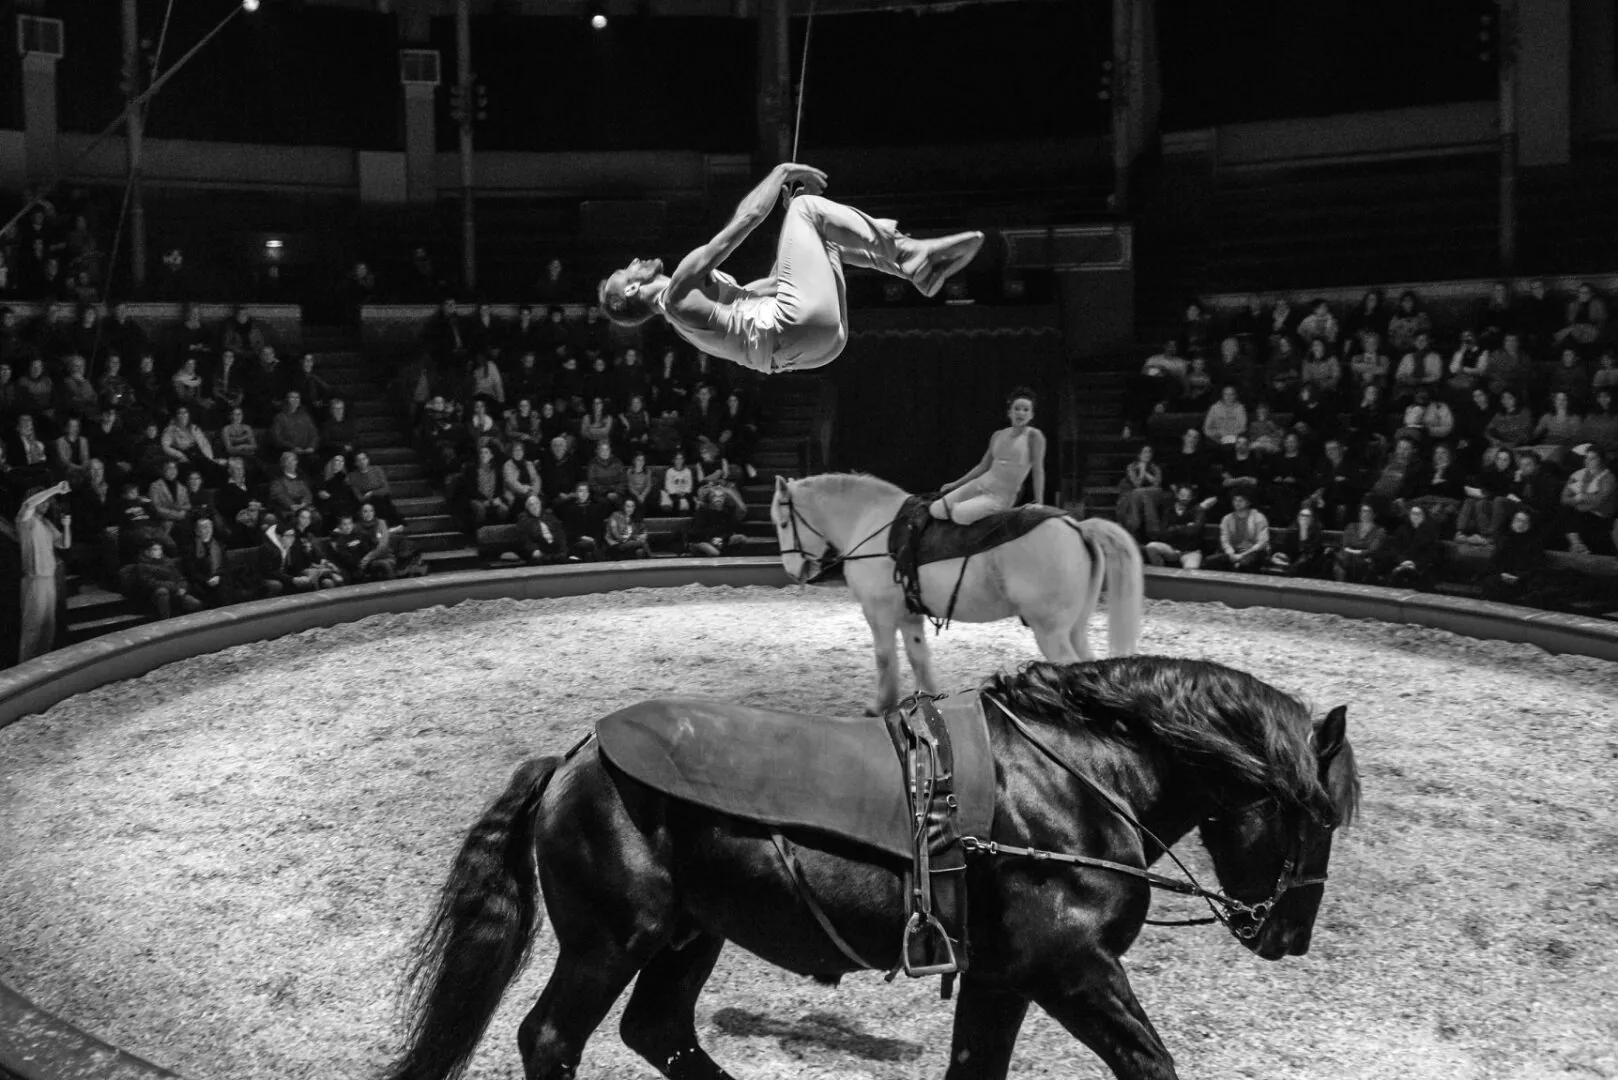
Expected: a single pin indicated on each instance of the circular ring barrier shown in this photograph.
(34, 1045)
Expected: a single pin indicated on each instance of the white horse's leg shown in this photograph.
(1057, 642)
(913, 628)
(887, 661)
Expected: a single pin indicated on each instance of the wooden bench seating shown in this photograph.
(664, 533)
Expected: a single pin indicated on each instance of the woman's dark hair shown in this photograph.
(1022, 392)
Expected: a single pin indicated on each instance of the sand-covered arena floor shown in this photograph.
(218, 866)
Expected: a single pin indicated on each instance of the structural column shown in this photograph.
(420, 115)
(134, 136)
(1136, 90)
(463, 73)
(775, 101)
(39, 113)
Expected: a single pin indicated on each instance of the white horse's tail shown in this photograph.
(1126, 582)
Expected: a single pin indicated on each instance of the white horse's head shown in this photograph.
(803, 545)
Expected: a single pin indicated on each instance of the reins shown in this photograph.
(1257, 913)
(828, 566)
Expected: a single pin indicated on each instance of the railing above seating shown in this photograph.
(284, 321)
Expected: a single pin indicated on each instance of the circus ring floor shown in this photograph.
(216, 865)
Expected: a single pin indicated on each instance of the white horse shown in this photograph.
(1051, 576)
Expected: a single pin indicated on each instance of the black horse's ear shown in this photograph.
(1330, 734)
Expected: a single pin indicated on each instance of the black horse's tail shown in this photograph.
(480, 933)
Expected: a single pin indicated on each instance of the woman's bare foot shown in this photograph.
(939, 259)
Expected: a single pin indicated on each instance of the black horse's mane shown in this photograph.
(1198, 711)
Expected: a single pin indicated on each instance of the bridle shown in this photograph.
(805, 556)
(1242, 919)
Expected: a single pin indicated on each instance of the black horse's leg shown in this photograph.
(1101, 1012)
(986, 1026)
(659, 1022)
(582, 988)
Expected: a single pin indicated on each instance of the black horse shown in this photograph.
(640, 884)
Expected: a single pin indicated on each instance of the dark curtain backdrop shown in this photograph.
(918, 411)
(1228, 61)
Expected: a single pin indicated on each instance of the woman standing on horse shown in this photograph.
(995, 482)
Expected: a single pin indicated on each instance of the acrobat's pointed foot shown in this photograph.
(940, 259)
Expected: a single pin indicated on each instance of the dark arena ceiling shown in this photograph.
(741, 9)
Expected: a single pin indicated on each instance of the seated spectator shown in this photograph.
(1511, 427)
(635, 427)
(1362, 545)
(596, 428)
(598, 381)
(677, 495)
(560, 470)
(1140, 494)
(1407, 322)
(525, 336)
(1516, 563)
(207, 572)
(1264, 434)
(528, 380)
(193, 340)
(1510, 368)
(522, 426)
(713, 525)
(185, 385)
(582, 518)
(1226, 419)
(294, 432)
(36, 391)
(242, 334)
(487, 500)
(407, 561)
(555, 286)
(1370, 366)
(1589, 505)
(1409, 559)
(1282, 322)
(1244, 538)
(334, 495)
(568, 383)
(138, 525)
(629, 377)
(1439, 491)
(187, 444)
(1190, 464)
(159, 585)
(1421, 367)
(640, 481)
(1288, 476)
(204, 500)
(77, 396)
(1178, 539)
(110, 443)
(670, 388)
(1571, 376)
(149, 453)
(1398, 478)
(1469, 365)
(29, 455)
(1472, 417)
(712, 470)
(70, 453)
(370, 485)
(1321, 370)
(1475, 523)
(737, 433)
(264, 385)
(1242, 472)
(275, 557)
(1237, 368)
(1370, 316)
(1195, 327)
(1557, 430)
(481, 428)
(1339, 486)
(171, 499)
(486, 381)
(552, 423)
(606, 475)
(520, 476)
(238, 439)
(1606, 373)
(360, 556)
(1199, 385)
(1586, 318)
(1161, 382)
(626, 534)
(541, 540)
(1302, 550)
(1531, 488)
(307, 563)
(1600, 424)
(704, 416)
(339, 434)
(1283, 372)
(113, 391)
(290, 492)
(1319, 325)
(1437, 421)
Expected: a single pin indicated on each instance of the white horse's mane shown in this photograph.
(848, 483)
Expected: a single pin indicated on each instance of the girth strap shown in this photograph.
(795, 870)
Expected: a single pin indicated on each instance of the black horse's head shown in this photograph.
(1271, 854)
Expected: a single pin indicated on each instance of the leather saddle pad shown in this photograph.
(828, 774)
(917, 532)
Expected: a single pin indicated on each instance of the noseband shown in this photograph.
(795, 516)
(1242, 919)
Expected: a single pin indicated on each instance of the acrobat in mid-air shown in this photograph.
(797, 317)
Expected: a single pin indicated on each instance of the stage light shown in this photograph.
(249, 6)
(598, 21)
(598, 15)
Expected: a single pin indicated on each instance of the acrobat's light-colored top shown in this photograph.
(741, 329)
(1010, 468)
(39, 537)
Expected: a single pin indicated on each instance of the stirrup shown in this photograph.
(933, 927)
